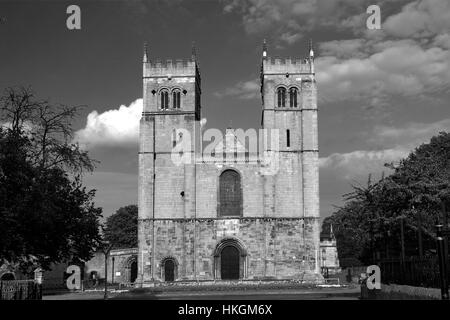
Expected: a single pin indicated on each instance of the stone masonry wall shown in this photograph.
(275, 248)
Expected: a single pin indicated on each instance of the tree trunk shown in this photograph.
(402, 239)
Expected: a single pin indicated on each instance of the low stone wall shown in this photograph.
(400, 292)
(229, 285)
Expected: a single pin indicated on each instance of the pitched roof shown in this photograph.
(231, 145)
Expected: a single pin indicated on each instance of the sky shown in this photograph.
(381, 92)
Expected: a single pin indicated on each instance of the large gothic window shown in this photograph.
(293, 97)
(230, 194)
(176, 99)
(164, 99)
(281, 96)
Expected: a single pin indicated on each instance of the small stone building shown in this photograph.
(121, 266)
(228, 213)
(329, 261)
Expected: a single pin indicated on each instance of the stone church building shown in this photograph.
(221, 216)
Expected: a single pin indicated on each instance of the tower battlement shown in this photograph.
(277, 65)
(286, 65)
(178, 67)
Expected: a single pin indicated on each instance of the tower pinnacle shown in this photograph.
(264, 49)
(311, 51)
(193, 51)
(311, 57)
(145, 59)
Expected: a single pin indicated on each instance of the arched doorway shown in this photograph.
(230, 260)
(229, 263)
(169, 270)
(133, 271)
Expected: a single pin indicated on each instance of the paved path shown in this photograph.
(76, 296)
(298, 294)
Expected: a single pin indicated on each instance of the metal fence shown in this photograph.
(20, 290)
(413, 271)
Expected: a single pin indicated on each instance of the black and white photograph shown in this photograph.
(224, 154)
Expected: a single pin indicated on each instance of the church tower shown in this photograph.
(171, 113)
(289, 105)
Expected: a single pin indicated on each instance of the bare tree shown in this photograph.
(50, 128)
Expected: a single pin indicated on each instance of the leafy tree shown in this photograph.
(122, 227)
(396, 216)
(46, 215)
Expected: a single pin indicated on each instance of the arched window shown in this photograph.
(281, 95)
(293, 97)
(164, 99)
(230, 194)
(176, 95)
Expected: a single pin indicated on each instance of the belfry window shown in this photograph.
(293, 97)
(176, 95)
(164, 99)
(230, 194)
(281, 96)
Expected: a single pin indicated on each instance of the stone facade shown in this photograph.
(183, 230)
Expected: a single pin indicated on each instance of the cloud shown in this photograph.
(397, 143)
(290, 37)
(245, 90)
(344, 49)
(288, 18)
(401, 67)
(360, 163)
(117, 127)
(418, 19)
(410, 56)
(371, 68)
(409, 136)
(442, 40)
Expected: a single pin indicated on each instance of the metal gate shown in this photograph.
(20, 290)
